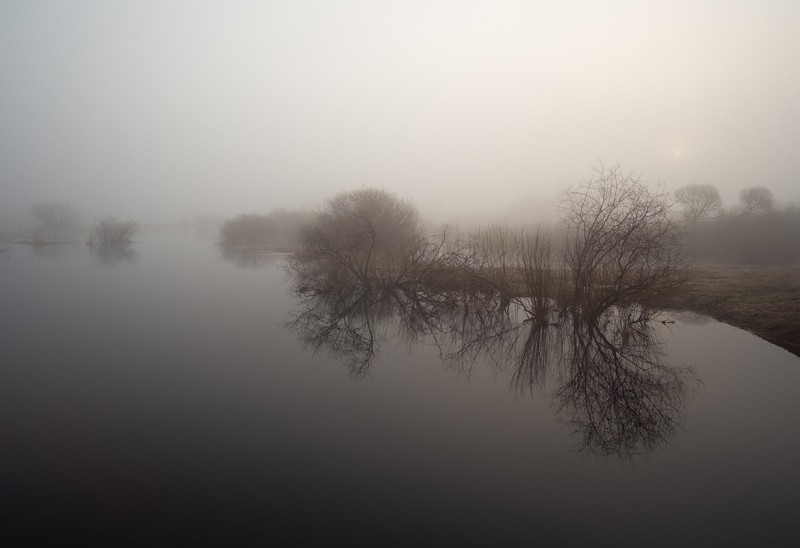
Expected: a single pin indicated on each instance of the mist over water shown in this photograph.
(480, 110)
(169, 398)
(398, 273)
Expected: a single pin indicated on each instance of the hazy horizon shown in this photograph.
(163, 110)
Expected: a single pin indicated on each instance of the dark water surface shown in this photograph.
(157, 397)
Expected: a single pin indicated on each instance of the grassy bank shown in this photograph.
(762, 300)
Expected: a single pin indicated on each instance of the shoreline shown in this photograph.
(764, 300)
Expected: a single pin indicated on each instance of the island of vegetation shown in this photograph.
(620, 243)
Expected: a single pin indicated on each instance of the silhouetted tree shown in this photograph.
(622, 244)
(700, 202)
(360, 237)
(55, 217)
(756, 200)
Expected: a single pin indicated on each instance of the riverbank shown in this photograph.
(762, 300)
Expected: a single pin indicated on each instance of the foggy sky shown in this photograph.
(163, 109)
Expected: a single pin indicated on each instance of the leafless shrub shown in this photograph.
(519, 264)
(542, 273)
(622, 245)
(111, 231)
(57, 218)
(495, 257)
(366, 237)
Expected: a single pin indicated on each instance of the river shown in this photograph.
(162, 395)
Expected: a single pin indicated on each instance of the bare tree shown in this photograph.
(756, 200)
(55, 217)
(700, 202)
(622, 245)
(360, 237)
(111, 231)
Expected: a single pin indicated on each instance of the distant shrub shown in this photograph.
(279, 230)
(55, 218)
(111, 231)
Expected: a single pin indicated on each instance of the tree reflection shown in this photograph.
(248, 259)
(351, 323)
(113, 254)
(618, 390)
(342, 323)
(612, 381)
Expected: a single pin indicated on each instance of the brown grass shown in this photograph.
(762, 300)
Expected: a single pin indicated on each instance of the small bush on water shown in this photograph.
(111, 231)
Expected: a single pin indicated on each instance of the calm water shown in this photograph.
(159, 396)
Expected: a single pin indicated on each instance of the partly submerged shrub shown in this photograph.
(111, 231)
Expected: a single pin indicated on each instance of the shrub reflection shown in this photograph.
(248, 259)
(609, 376)
(113, 254)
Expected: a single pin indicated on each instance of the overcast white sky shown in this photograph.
(163, 109)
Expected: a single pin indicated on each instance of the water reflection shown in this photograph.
(248, 259)
(50, 250)
(609, 377)
(618, 390)
(111, 255)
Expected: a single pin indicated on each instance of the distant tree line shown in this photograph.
(278, 230)
(754, 231)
